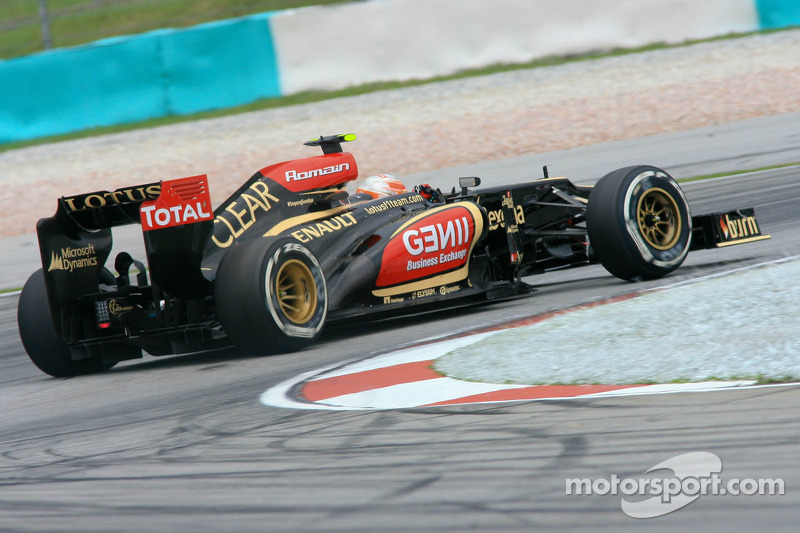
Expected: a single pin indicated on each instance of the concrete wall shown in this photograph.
(351, 44)
(238, 61)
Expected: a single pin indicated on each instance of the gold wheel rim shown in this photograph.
(297, 291)
(659, 219)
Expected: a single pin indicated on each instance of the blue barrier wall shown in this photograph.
(219, 65)
(75, 89)
(133, 78)
(778, 13)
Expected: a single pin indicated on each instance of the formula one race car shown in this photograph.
(291, 250)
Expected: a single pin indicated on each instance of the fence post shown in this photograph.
(44, 18)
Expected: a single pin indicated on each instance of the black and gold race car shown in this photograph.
(290, 251)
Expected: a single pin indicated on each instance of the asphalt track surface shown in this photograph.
(183, 444)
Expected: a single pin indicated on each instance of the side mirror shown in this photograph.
(466, 183)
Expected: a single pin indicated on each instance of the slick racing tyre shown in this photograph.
(639, 223)
(271, 296)
(47, 351)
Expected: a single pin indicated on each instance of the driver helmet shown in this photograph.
(381, 185)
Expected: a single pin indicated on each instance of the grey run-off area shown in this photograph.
(737, 326)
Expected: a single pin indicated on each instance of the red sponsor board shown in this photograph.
(432, 244)
(317, 172)
(182, 201)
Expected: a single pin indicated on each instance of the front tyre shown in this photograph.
(271, 296)
(639, 223)
(47, 351)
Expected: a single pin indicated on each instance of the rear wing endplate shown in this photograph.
(177, 219)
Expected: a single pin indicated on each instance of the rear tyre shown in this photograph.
(271, 296)
(47, 351)
(639, 223)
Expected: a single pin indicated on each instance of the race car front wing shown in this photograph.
(718, 230)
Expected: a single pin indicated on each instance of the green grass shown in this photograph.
(737, 172)
(6, 291)
(74, 22)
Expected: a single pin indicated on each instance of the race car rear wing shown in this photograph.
(75, 243)
(719, 230)
(106, 209)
